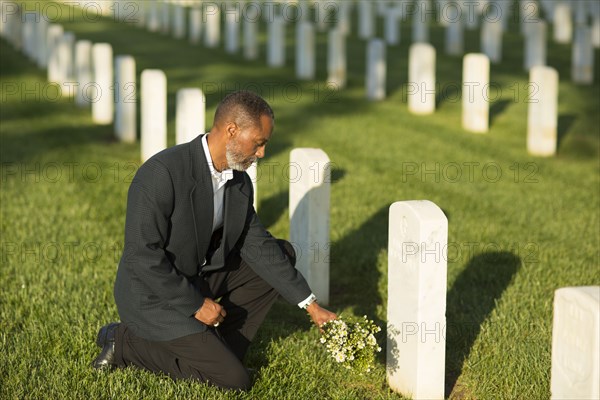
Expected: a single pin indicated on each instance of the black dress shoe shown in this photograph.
(106, 340)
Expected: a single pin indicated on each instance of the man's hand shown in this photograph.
(319, 315)
(211, 313)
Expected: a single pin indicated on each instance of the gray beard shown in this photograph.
(235, 160)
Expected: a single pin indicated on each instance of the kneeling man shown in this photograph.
(199, 272)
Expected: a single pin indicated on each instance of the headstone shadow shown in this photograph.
(354, 265)
(470, 301)
(564, 125)
(497, 109)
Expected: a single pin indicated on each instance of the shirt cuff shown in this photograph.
(306, 302)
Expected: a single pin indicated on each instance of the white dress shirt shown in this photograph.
(219, 179)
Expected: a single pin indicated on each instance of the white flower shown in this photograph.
(340, 357)
(322, 340)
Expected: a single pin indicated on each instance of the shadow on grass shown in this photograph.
(497, 109)
(354, 265)
(564, 125)
(470, 301)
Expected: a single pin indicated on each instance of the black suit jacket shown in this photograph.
(168, 229)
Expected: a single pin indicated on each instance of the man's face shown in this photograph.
(248, 145)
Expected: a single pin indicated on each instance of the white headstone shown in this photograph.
(165, 16)
(55, 32)
(250, 26)
(64, 48)
(322, 10)
(416, 310)
(310, 177)
(421, 79)
(491, 40)
(455, 38)
(343, 16)
(581, 8)
(153, 23)
(596, 32)
(276, 42)
(103, 101)
(542, 118)
(582, 58)
(178, 21)
(141, 15)
(420, 29)
(153, 112)
(195, 25)
(42, 43)
(366, 20)
(471, 13)
(576, 343)
(305, 51)
(475, 96)
(29, 34)
(232, 30)
(563, 23)
(529, 15)
(376, 70)
(336, 58)
(125, 99)
(190, 114)
(535, 45)
(212, 25)
(83, 72)
(392, 31)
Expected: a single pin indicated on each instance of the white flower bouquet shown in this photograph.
(351, 343)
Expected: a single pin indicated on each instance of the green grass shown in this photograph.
(515, 238)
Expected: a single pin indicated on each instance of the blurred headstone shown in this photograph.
(276, 42)
(178, 21)
(455, 38)
(582, 57)
(491, 40)
(153, 112)
(336, 58)
(212, 25)
(250, 27)
(195, 25)
(366, 20)
(421, 79)
(190, 114)
(535, 45)
(563, 23)
(305, 51)
(232, 30)
(125, 99)
(475, 96)
(83, 72)
(542, 118)
(103, 101)
(376, 70)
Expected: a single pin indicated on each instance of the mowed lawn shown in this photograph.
(519, 226)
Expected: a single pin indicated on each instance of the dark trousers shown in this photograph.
(214, 356)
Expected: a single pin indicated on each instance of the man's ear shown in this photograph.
(231, 129)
